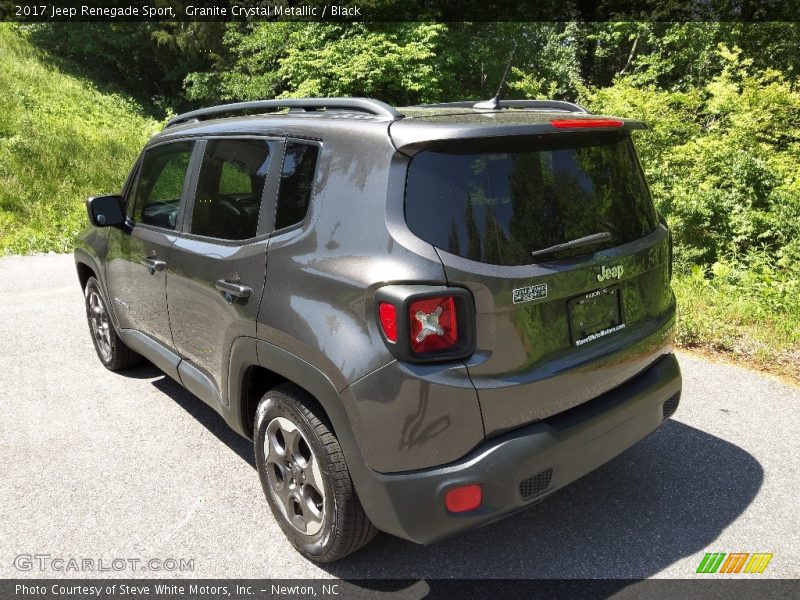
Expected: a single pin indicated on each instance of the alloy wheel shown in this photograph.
(100, 324)
(294, 476)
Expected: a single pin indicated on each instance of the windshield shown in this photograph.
(500, 207)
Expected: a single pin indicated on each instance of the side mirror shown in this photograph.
(106, 211)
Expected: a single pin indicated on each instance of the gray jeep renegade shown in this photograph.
(425, 318)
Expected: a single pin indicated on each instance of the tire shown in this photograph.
(323, 524)
(111, 350)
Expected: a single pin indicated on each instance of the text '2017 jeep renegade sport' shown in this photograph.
(425, 320)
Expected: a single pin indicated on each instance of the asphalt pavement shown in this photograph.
(102, 466)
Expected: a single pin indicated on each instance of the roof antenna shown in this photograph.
(494, 103)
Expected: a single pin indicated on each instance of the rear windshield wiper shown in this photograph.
(588, 240)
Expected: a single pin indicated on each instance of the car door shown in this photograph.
(139, 253)
(217, 267)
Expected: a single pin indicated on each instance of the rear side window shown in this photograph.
(230, 187)
(297, 182)
(498, 206)
(158, 191)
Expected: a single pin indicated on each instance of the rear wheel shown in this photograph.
(111, 350)
(305, 477)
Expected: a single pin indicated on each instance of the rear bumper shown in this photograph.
(535, 460)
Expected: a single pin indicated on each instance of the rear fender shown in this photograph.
(248, 352)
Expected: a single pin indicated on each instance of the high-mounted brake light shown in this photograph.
(585, 123)
(433, 324)
(388, 316)
(463, 498)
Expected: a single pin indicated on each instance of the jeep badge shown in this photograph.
(607, 273)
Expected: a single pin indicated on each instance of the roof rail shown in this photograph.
(540, 104)
(365, 105)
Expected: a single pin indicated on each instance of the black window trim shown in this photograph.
(130, 180)
(184, 193)
(269, 198)
(302, 223)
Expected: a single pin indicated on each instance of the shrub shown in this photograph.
(722, 161)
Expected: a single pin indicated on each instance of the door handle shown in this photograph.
(233, 288)
(153, 264)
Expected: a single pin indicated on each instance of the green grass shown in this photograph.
(751, 315)
(61, 140)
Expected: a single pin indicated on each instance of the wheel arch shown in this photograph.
(85, 271)
(88, 266)
(257, 366)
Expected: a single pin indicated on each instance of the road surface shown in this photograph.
(101, 465)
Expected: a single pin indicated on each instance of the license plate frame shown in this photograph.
(595, 315)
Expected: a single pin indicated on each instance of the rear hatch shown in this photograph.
(556, 325)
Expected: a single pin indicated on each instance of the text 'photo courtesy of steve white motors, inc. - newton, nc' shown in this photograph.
(173, 590)
(262, 11)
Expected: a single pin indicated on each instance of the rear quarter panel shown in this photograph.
(318, 305)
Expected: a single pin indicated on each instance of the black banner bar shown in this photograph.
(398, 10)
(411, 589)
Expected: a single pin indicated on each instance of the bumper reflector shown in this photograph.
(463, 498)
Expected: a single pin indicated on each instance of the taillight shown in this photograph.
(426, 323)
(663, 221)
(388, 316)
(671, 253)
(434, 325)
(583, 123)
(463, 498)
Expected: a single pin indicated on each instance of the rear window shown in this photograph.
(498, 207)
(297, 182)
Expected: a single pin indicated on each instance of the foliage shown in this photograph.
(722, 160)
(357, 59)
(249, 68)
(180, 64)
(403, 63)
(148, 61)
(746, 309)
(317, 59)
(60, 141)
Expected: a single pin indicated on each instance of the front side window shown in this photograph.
(498, 203)
(157, 195)
(297, 183)
(230, 187)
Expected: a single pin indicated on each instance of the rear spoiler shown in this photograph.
(410, 135)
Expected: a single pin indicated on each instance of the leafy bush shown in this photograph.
(723, 162)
